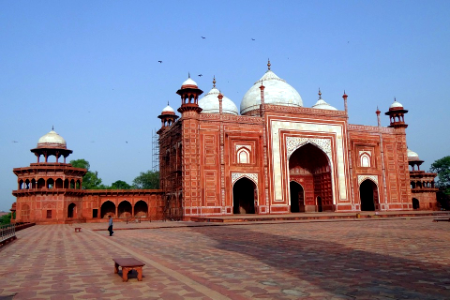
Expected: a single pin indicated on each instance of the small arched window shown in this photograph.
(365, 160)
(243, 156)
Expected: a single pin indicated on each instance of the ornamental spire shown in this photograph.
(214, 81)
(268, 64)
(320, 94)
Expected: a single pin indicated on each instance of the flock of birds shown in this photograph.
(203, 38)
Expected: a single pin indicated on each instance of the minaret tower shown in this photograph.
(49, 192)
(396, 115)
(190, 141)
(168, 117)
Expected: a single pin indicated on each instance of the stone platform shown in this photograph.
(378, 258)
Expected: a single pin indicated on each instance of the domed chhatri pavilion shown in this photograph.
(280, 157)
(51, 192)
(275, 157)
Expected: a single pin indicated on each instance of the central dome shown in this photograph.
(51, 140)
(210, 103)
(277, 91)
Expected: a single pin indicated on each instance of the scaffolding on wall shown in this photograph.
(155, 151)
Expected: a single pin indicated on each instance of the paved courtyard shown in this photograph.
(358, 259)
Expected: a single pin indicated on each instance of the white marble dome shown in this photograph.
(168, 110)
(277, 91)
(52, 140)
(321, 104)
(188, 82)
(210, 103)
(396, 104)
(412, 155)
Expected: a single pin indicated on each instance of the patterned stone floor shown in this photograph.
(361, 259)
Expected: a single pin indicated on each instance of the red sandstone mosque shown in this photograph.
(275, 157)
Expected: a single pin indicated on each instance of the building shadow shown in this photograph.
(335, 268)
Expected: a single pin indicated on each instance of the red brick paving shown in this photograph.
(363, 259)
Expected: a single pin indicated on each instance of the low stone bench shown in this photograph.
(77, 229)
(128, 264)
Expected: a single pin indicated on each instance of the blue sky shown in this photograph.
(90, 68)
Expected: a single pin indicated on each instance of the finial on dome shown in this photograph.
(214, 81)
(268, 64)
(320, 94)
(167, 103)
(189, 74)
(395, 99)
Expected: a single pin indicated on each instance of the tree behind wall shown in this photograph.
(147, 180)
(91, 179)
(442, 168)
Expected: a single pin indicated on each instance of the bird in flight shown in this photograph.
(200, 75)
(203, 37)
(253, 39)
(160, 61)
(15, 142)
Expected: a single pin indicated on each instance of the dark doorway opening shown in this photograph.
(368, 195)
(244, 191)
(319, 204)
(95, 213)
(416, 204)
(71, 210)
(297, 197)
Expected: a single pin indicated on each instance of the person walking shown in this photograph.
(110, 227)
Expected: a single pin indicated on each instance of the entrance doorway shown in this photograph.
(416, 204)
(319, 204)
(297, 197)
(368, 193)
(244, 195)
(71, 210)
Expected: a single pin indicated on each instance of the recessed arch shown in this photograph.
(310, 165)
(107, 209)
(124, 209)
(71, 210)
(245, 196)
(141, 209)
(243, 156)
(416, 203)
(368, 194)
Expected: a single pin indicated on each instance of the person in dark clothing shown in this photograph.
(110, 227)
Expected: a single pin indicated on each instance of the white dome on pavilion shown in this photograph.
(277, 91)
(321, 104)
(396, 104)
(412, 155)
(51, 140)
(168, 110)
(188, 82)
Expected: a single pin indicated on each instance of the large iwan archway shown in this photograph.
(368, 192)
(108, 209)
(244, 196)
(310, 165)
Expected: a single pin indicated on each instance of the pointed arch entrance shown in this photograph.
(244, 196)
(108, 209)
(416, 204)
(71, 210)
(368, 193)
(297, 197)
(311, 166)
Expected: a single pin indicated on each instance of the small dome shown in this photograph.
(396, 104)
(321, 104)
(51, 140)
(168, 110)
(189, 83)
(412, 155)
(210, 103)
(276, 91)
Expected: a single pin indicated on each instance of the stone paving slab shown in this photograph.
(376, 259)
